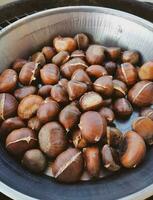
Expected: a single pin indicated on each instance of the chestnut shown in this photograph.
(48, 110)
(38, 58)
(82, 40)
(92, 161)
(111, 67)
(29, 73)
(34, 160)
(91, 101)
(69, 116)
(120, 89)
(130, 56)
(95, 54)
(25, 91)
(144, 127)
(29, 106)
(52, 139)
(68, 166)
(107, 102)
(61, 58)
(146, 71)
(11, 124)
(45, 91)
(78, 54)
(141, 94)
(20, 140)
(76, 89)
(8, 80)
(92, 126)
(82, 76)
(64, 44)
(134, 150)
(122, 108)
(78, 141)
(48, 52)
(113, 53)
(69, 67)
(8, 106)
(63, 82)
(18, 64)
(50, 74)
(59, 94)
(107, 113)
(127, 73)
(104, 86)
(96, 71)
(110, 158)
(34, 123)
(147, 112)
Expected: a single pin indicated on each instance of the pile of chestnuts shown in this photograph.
(57, 108)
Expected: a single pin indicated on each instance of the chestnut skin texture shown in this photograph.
(107, 113)
(34, 161)
(111, 67)
(52, 139)
(20, 140)
(25, 91)
(68, 166)
(77, 139)
(92, 161)
(18, 64)
(78, 54)
(45, 91)
(120, 89)
(34, 123)
(96, 71)
(113, 53)
(82, 76)
(59, 94)
(135, 150)
(63, 82)
(146, 71)
(8, 80)
(29, 106)
(82, 41)
(48, 52)
(38, 57)
(131, 57)
(61, 58)
(147, 112)
(92, 126)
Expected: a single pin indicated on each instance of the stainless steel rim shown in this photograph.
(142, 194)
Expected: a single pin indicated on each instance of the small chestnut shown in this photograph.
(59, 94)
(25, 91)
(131, 57)
(63, 82)
(76, 89)
(92, 161)
(146, 71)
(91, 101)
(82, 40)
(50, 74)
(20, 140)
(48, 52)
(34, 123)
(78, 141)
(18, 64)
(78, 54)
(68, 166)
(8, 80)
(69, 116)
(82, 76)
(64, 44)
(38, 58)
(127, 73)
(133, 151)
(95, 54)
(144, 127)
(111, 67)
(104, 86)
(52, 139)
(147, 112)
(92, 126)
(34, 160)
(113, 53)
(110, 158)
(141, 94)
(45, 91)
(107, 113)
(29, 106)
(48, 110)
(61, 58)
(96, 71)
(120, 89)
(122, 107)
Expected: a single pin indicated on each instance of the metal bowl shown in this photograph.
(108, 27)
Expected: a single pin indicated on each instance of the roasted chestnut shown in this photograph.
(131, 57)
(34, 123)
(146, 71)
(61, 58)
(107, 113)
(113, 53)
(111, 67)
(120, 88)
(18, 64)
(78, 54)
(25, 91)
(82, 40)
(68, 166)
(96, 71)
(52, 139)
(38, 58)
(147, 112)
(82, 76)
(45, 91)
(78, 141)
(59, 94)
(48, 52)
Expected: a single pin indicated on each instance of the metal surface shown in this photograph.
(106, 26)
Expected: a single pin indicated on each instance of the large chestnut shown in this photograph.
(134, 150)
(147, 112)
(107, 113)
(59, 94)
(82, 41)
(127, 73)
(92, 126)
(92, 161)
(91, 101)
(29, 106)
(96, 71)
(144, 127)
(69, 116)
(141, 94)
(34, 123)
(34, 160)
(50, 74)
(20, 140)
(113, 53)
(18, 64)
(52, 139)
(38, 58)
(131, 57)
(48, 52)
(78, 141)
(120, 88)
(82, 76)
(68, 166)
(146, 71)
(8, 80)
(61, 58)
(25, 91)
(45, 91)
